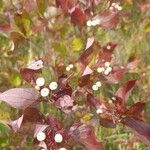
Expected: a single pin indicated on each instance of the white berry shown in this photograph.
(119, 8)
(67, 68)
(41, 136)
(113, 4)
(89, 23)
(97, 21)
(62, 148)
(107, 64)
(40, 81)
(108, 47)
(100, 69)
(109, 69)
(106, 72)
(99, 111)
(114, 98)
(110, 101)
(58, 138)
(95, 87)
(70, 66)
(53, 85)
(98, 83)
(45, 92)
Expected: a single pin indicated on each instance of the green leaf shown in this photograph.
(1, 5)
(42, 5)
(15, 79)
(60, 47)
(23, 22)
(147, 27)
(77, 44)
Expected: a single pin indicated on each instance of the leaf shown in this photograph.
(36, 65)
(15, 79)
(17, 38)
(140, 128)
(42, 5)
(60, 47)
(28, 75)
(77, 44)
(15, 125)
(115, 76)
(64, 102)
(5, 27)
(33, 115)
(20, 97)
(89, 42)
(78, 17)
(93, 102)
(85, 135)
(124, 91)
(23, 22)
(108, 19)
(107, 122)
(86, 56)
(135, 110)
(53, 122)
(65, 4)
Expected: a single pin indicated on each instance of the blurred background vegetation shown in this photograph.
(30, 36)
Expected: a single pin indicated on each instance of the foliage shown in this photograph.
(77, 70)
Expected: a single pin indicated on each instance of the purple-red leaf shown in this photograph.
(108, 19)
(20, 97)
(115, 76)
(136, 109)
(107, 122)
(78, 17)
(36, 65)
(89, 42)
(16, 124)
(29, 75)
(85, 135)
(65, 102)
(140, 128)
(65, 4)
(33, 115)
(124, 91)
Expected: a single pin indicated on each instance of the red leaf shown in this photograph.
(33, 115)
(29, 75)
(85, 135)
(15, 125)
(107, 122)
(5, 27)
(135, 110)
(94, 102)
(65, 4)
(78, 17)
(90, 42)
(124, 91)
(20, 97)
(65, 103)
(106, 54)
(53, 122)
(140, 128)
(109, 19)
(115, 76)
(86, 57)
